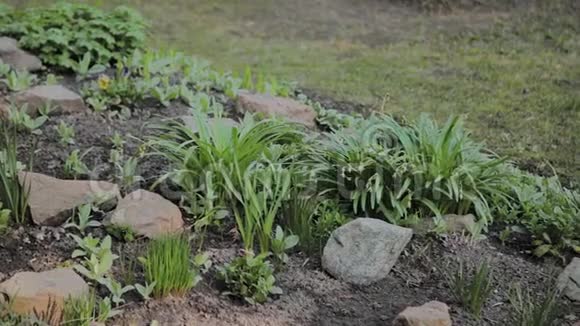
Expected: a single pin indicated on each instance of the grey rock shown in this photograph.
(364, 251)
(11, 54)
(63, 99)
(569, 280)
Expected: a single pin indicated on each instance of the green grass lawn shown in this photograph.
(514, 76)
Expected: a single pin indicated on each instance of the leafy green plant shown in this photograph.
(472, 286)
(549, 211)
(329, 217)
(74, 166)
(122, 232)
(83, 67)
(86, 310)
(398, 171)
(249, 277)
(146, 290)
(116, 289)
(79, 311)
(4, 218)
(63, 33)
(264, 190)
(165, 95)
(83, 219)
(20, 119)
(220, 149)
(52, 79)
(13, 194)
(530, 311)
(168, 264)
(4, 69)
(98, 257)
(66, 133)
(298, 213)
(18, 81)
(281, 243)
(127, 175)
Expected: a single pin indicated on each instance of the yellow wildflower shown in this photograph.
(104, 82)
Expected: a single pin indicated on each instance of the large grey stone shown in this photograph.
(272, 106)
(63, 99)
(52, 200)
(569, 280)
(30, 291)
(364, 250)
(18, 59)
(147, 214)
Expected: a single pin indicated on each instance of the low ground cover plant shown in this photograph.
(249, 277)
(63, 33)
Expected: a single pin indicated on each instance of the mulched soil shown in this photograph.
(311, 297)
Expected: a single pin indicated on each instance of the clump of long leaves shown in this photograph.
(472, 286)
(13, 194)
(264, 188)
(394, 170)
(531, 311)
(217, 153)
(169, 263)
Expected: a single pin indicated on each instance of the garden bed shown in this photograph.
(204, 168)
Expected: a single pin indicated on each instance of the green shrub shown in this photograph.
(62, 33)
(264, 187)
(386, 168)
(549, 211)
(222, 152)
(472, 286)
(249, 277)
(530, 311)
(168, 263)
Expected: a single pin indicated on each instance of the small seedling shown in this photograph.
(83, 219)
(118, 141)
(74, 166)
(4, 69)
(116, 289)
(145, 290)
(51, 79)
(127, 175)
(66, 133)
(19, 80)
(20, 119)
(282, 243)
(95, 268)
(472, 286)
(83, 67)
(530, 311)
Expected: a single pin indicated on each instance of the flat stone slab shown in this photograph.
(52, 200)
(272, 106)
(61, 98)
(30, 291)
